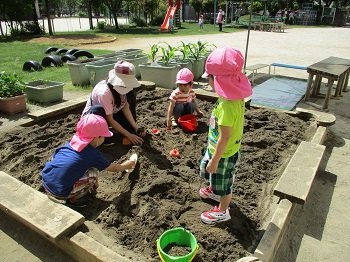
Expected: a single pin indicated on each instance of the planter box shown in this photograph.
(13, 105)
(130, 51)
(99, 70)
(79, 73)
(198, 67)
(162, 76)
(111, 55)
(44, 91)
(185, 64)
(136, 60)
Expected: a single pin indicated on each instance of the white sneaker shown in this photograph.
(215, 215)
(206, 192)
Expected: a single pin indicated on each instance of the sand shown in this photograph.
(162, 192)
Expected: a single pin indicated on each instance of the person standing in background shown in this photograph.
(219, 19)
(171, 23)
(237, 15)
(200, 23)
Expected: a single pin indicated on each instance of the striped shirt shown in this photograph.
(182, 98)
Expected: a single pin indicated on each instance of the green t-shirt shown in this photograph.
(227, 113)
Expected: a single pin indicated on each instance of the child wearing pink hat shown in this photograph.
(183, 98)
(224, 69)
(72, 172)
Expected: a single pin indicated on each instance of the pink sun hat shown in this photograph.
(89, 127)
(225, 64)
(184, 76)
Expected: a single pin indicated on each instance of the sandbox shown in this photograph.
(131, 211)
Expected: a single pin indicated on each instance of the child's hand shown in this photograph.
(141, 131)
(200, 113)
(129, 164)
(136, 140)
(212, 166)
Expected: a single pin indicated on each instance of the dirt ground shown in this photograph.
(134, 209)
(73, 40)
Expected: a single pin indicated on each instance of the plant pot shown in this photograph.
(185, 64)
(111, 55)
(136, 60)
(13, 105)
(44, 91)
(78, 72)
(162, 76)
(129, 51)
(99, 70)
(198, 67)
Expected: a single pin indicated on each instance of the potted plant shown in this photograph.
(198, 51)
(153, 55)
(184, 60)
(44, 91)
(12, 96)
(163, 73)
(168, 54)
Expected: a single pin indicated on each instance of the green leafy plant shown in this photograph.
(199, 49)
(101, 25)
(168, 54)
(185, 50)
(154, 51)
(10, 85)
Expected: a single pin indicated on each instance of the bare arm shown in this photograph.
(225, 133)
(170, 112)
(127, 113)
(114, 167)
(116, 126)
(199, 112)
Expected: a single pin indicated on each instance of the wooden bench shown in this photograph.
(34, 209)
(254, 69)
(297, 178)
(286, 66)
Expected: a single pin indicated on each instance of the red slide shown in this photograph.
(171, 11)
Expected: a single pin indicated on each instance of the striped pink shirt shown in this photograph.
(182, 98)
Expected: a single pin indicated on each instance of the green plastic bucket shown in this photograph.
(180, 237)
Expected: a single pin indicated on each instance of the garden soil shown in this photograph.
(134, 209)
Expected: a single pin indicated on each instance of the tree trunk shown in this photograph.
(116, 20)
(35, 20)
(47, 6)
(90, 16)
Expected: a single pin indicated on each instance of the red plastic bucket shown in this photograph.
(188, 122)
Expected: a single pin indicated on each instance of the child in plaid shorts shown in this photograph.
(224, 69)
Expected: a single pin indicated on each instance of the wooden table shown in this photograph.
(332, 68)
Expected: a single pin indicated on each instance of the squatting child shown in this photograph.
(72, 173)
(224, 69)
(183, 98)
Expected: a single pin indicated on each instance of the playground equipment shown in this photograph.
(173, 6)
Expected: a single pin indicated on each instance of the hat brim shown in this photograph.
(233, 87)
(205, 75)
(122, 83)
(78, 143)
(182, 82)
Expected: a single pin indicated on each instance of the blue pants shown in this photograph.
(183, 109)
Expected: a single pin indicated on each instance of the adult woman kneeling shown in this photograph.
(115, 100)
